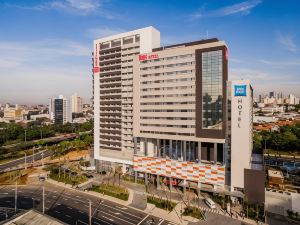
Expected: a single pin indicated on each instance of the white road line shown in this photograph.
(118, 218)
(69, 207)
(108, 218)
(82, 222)
(143, 220)
(116, 208)
(81, 211)
(65, 199)
(162, 220)
(97, 223)
(76, 202)
(56, 211)
(57, 204)
(116, 213)
(68, 216)
(48, 201)
(102, 220)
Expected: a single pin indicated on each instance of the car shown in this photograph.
(210, 203)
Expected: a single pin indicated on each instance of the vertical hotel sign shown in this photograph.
(240, 91)
(96, 69)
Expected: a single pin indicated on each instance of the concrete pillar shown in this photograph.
(135, 176)
(150, 147)
(142, 146)
(146, 178)
(170, 149)
(199, 151)
(184, 186)
(184, 150)
(158, 153)
(215, 152)
(157, 182)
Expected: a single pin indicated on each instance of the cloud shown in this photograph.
(79, 7)
(263, 81)
(287, 42)
(96, 33)
(281, 63)
(243, 8)
(31, 72)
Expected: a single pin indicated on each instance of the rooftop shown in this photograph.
(275, 173)
(33, 217)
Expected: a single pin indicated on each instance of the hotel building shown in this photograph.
(190, 124)
(112, 83)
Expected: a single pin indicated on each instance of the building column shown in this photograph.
(184, 150)
(170, 149)
(158, 148)
(215, 152)
(199, 151)
(157, 182)
(135, 176)
(184, 186)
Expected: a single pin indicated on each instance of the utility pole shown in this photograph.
(25, 161)
(16, 196)
(42, 159)
(90, 213)
(43, 199)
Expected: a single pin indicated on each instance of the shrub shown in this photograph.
(112, 190)
(161, 203)
(194, 212)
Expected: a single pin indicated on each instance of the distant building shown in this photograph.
(59, 110)
(13, 113)
(76, 103)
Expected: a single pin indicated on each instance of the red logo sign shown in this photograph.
(226, 54)
(96, 69)
(148, 57)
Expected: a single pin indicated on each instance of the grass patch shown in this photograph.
(282, 152)
(194, 212)
(161, 203)
(112, 190)
(66, 177)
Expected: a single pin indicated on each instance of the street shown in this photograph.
(29, 160)
(72, 207)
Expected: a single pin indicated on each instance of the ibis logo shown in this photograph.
(144, 57)
(240, 90)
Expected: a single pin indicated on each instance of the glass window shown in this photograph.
(212, 90)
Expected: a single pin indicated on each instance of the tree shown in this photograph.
(257, 142)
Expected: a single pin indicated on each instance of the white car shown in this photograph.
(210, 203)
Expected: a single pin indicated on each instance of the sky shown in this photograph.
(46, 45)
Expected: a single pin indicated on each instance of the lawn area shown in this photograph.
(112, 190)
(66, 177)
(161, 203)
(194, 212)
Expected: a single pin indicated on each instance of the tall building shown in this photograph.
(112, 84)
(76, 103)
(184, 114)
(59, 110)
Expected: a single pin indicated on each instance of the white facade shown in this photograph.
(66, 109)
(241, 131)
(76, 103)
(113, 74)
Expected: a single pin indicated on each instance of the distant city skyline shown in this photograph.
(45, 46)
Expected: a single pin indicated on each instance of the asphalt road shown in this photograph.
(29, 160)
(72, 207)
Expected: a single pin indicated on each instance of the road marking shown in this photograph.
(56, 211)
(48, 201)
(124, 208)
(102, 221)
(69, 207)
(116, 213)
(3, 193)
(65, 199)
(116, 208)
(77, 196)
(81, 211)
(143, 220)
(54, 196)
(118, 218)
(162, 220)
(57, 204)
(108, 218)
(86, 205)
(76, 202)
(68, 216)
(82, 222)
